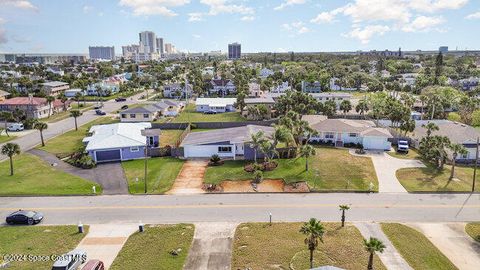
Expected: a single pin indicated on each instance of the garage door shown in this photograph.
(108, 155)
(373, 143)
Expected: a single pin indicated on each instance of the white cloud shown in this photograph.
(365, 34)
(474, 16)
(247, 18)
(196, 36)
(324, 17)
(153, 7)
(288, 3)
(224, 6)
(436, 5)
(22, 4)
(87, 9)
(423, 23)
(195, 17)
(296, 27)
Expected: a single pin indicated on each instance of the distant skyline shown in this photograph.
(71, 26)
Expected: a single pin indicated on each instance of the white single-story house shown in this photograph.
(118, 142)
(226, 143)
(219, 105)
(346, 131)
(337, 97)
(71, 93)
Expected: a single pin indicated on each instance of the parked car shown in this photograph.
(120, 99)
(124, 107)
(94, 265)
(402, 147)
(24, 217)
(15, 127)
(210, 112)
(100, 112)
(99, 106)
(70, 261)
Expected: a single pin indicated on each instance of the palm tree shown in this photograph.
(307, 151)
(257, 140)
(362, 107)
(314, 231)
(457, 149)
(50, 100)
(41, 126)
(373, 245)
(343, 208)
(11, 149)
(77, 99)
(6, 116)
(345, 107)
(75, 114)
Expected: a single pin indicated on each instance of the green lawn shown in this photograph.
(38, 240)
(473, 229)
(281, 246)
(330, 169)
(33, 176)
(169, 137)
(190, 115)
(64, 115)
(5, 138)
(430, 179)
(161, 174)
(412, 154)
(151, 249)
(415, 248)
(71, 141)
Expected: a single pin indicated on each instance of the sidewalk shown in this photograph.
(104, 242)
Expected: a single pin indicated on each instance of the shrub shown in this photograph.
(257, 176)
(215, 161)
(476, 118)
(81, 160)
(453, 116)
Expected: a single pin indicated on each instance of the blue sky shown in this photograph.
(70, 26)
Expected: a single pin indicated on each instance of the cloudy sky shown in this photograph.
(70, 26)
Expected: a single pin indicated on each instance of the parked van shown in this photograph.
(70, 261)
(94, 265)
(15, 127)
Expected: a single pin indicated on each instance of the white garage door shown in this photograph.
(190, 151)
(374, 143)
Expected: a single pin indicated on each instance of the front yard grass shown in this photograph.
(190, 115)
(150, 249)
(64, 115)
(38, 240)
(170, 137)
(71, 141)
(430, 179)
(161, 174)
(329, 169)
(5, 138)
(33, 176)
(415, 248)
(281, 246)
(412, 154)
(473, 229)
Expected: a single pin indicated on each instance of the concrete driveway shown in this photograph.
(190, 178)
(386, 167)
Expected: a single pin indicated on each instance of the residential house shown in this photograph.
(335, 87)
(119, 141)
(254, 90)
(282, 88)
(269, 102)
(208, 71)
(55, 88)
(226, 143)
(169, 107)
(56, 70)
(311, 87)
(222, 87)
(265, 73)
(337, 97)
(3, 95)
(469, 84)
(409, 79)
(71, 93)
(147, 113)
(344, 131)
(34, 107)
(218, 105)
(458, 133)
(175, 90)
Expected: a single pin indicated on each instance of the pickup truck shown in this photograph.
(402, 147)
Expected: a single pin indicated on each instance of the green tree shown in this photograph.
(241, 101)
(6, 116)
(10, 149)
(41, 126)
(314, 230)
(345, 106)
(343, 208)
(75, 114)
(50, 100)
(372, 246)
(257, 139)
(329, 108)
(362, 107)
(457, 149)
(307, 151)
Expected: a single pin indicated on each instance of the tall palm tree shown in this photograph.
(50, 100)
(314, 231)
(373, 245)
(345, 107)
(77, 99)
(307, 151)
(10, 149)
(41, 126)
(457, 149)
(257, 140)
(6, 116)
(75, 114)
(343, 208)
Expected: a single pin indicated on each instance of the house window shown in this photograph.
(132, 115)
(124, 115)
(146, 115)
(465, 156)
(224, 149)
(134, 149)
(329, 135)
(353, 135)
(150, 141)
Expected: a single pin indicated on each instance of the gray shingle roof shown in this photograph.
(232, 135)
(456, 132)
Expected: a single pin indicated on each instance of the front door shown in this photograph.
(239, 150)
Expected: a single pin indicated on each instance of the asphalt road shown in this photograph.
(31, 140)
(249, 207)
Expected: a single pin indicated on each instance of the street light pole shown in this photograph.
(145, 167)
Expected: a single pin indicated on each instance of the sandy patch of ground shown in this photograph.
(271, 185)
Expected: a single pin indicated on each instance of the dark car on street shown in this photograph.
(124, 107)
(210, 112)
(24, 217)
(120, 99)
(100, 112)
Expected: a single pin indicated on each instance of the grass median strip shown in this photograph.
(473, 229)
(40, 241)
(415, 248)
(152, 249)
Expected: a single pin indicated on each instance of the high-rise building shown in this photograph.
(160, 47)
(168, 48)
(234, 51)
(148, 42)
(129, 51)
(101, 52)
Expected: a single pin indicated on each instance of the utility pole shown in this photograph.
(145, 168)
(475, 168)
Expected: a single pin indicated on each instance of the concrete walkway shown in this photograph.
(110, 175)
(386, 167)
(104, 242)
(190, 178)
(212, 247)
(453, 242)
(390, 256)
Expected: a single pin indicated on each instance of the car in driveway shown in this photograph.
(94, 265)
(26, 217)
(15, 127)
(402, 146)
(120, 99)
(100, 112)
(70, 261)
